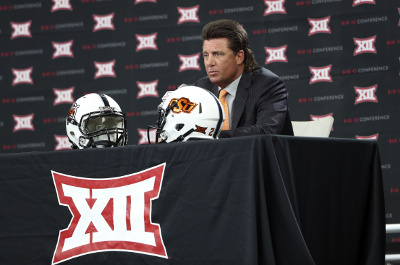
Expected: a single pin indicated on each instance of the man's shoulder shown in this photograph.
(263, 79)
(204, 82)
(262, 72)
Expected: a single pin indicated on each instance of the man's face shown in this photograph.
(222, 65)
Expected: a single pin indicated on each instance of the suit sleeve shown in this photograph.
(269, 98)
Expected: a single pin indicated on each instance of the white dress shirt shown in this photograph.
(230, 96)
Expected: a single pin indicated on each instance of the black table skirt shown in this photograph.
(250, 200)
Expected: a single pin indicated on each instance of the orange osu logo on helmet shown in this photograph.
(182, 105)
(71, 112)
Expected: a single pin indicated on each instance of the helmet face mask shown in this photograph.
(161, 133)
(96, 121)
(187, 114)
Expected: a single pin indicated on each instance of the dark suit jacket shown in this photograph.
(260, 105)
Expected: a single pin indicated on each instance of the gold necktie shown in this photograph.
(222, 99)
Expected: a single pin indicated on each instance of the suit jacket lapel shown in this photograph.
(241, 98)
(214, 89)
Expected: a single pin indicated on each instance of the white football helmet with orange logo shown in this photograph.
(189, 113)
(95, 121)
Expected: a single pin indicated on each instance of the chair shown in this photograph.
(317, 128)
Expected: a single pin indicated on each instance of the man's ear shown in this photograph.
(240, 57)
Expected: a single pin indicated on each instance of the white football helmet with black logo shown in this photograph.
(96, 121)
(189, 113)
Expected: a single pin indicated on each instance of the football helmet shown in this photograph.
(96, 121)
(188, 113)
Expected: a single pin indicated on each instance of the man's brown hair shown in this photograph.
(237, 37)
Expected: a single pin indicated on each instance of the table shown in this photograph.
(250, 200)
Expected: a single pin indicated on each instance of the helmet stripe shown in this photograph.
(105, 100)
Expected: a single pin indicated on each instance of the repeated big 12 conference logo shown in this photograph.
(62, 49)
(366, 45)
(189, 62)
(320, 74)
(110, 214)
(105, 69)
(22, 76)
(366, 94)
(146, 42)
(274, 7)
(319, 25)
(23, 122)
(21, 30)
(276, 54)
(103, 22)
(188, 14)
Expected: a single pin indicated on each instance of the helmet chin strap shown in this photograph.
(73, 145)
(183, 136)
(161, 115)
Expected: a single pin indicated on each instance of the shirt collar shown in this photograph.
(232, 87)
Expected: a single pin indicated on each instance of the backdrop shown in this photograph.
(337, 57)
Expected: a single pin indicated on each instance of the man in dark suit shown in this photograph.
(256, 98)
